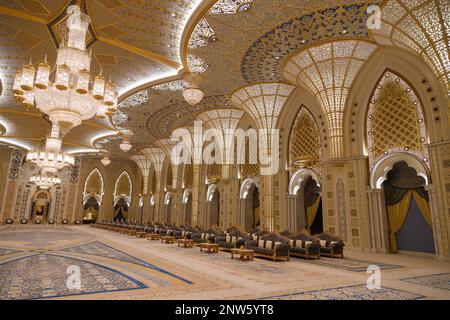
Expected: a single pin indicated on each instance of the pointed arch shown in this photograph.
(123, 188)
(94, 186)
(304, 141)
(395, 121)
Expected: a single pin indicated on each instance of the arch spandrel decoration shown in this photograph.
(123, 188)
(395, 120)
(304, 142)
(93, 186)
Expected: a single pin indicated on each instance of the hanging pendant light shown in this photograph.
(193, 95)
(125, 145)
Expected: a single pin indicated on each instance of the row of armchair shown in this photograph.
(271, 245)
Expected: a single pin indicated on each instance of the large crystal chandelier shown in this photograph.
(51, 159)
(70, 96)
(44, 181)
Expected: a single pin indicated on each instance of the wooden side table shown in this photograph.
(153, 236)
(186, 243)
(168, 239)
(244, 254)
(141, 234)
(210, 247)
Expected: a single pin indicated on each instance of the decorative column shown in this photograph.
(167, 146)
(223, 122)
(157, 157)
(144, 163)
(328, 71)
(264, 102)
(378, 223)
(15, 164)
(295, 214)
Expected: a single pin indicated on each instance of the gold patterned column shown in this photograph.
(157, 157)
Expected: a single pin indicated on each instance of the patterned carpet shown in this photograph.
(441, 281)
(348, 293)
(42, 271)
(350, 264)
(45, 276)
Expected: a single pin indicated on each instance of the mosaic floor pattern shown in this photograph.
(441, 281)
(348, 293)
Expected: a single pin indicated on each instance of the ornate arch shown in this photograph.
(212, 188)
(382, 167)
(187, 192)
(94, 186)
(123, 188)
(167, 198)
(247, 185)
(299, 178)
(304, 141)
(395, 121)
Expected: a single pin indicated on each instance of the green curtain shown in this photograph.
(424, 206)
(397, 214)
(311, 212)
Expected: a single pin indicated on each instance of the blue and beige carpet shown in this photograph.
(34, 264)
(38, 263)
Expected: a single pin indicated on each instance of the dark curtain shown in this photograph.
(401, 179)
(311, 192)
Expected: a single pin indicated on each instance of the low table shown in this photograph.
(211, 247)
(167, 239)
(141, 234)
(244, 254)
(153, 236)
(131, 232)
(187, 243)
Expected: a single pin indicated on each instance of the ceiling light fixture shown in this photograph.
(51, 159)
(105, 161)
(193, 95)
(68, 98)
(44, 182)
(125, 145)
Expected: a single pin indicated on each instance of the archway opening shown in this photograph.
(90, 210)
(41, 206)
(121, 210)
(212, 206)
(167, 208)
(186, 208)
(408, 210)
(250, 216)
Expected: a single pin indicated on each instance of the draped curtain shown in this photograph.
(311, 212)
(402, 184)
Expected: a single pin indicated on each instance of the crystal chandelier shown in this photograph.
(193, 95)
(70, 96)
(105, 161)
(44, 181)
(51, 159)
(125, 145)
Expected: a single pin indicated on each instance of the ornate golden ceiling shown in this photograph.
(146, 46)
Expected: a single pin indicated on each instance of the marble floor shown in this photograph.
(54, 262)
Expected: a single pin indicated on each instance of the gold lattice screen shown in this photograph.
(395, 121)
(214, 172)
(304, 143)
(94, 183)
(248, 169)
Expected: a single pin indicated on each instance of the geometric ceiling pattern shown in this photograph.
(421, 26)
(263, 59)
(328, 71)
